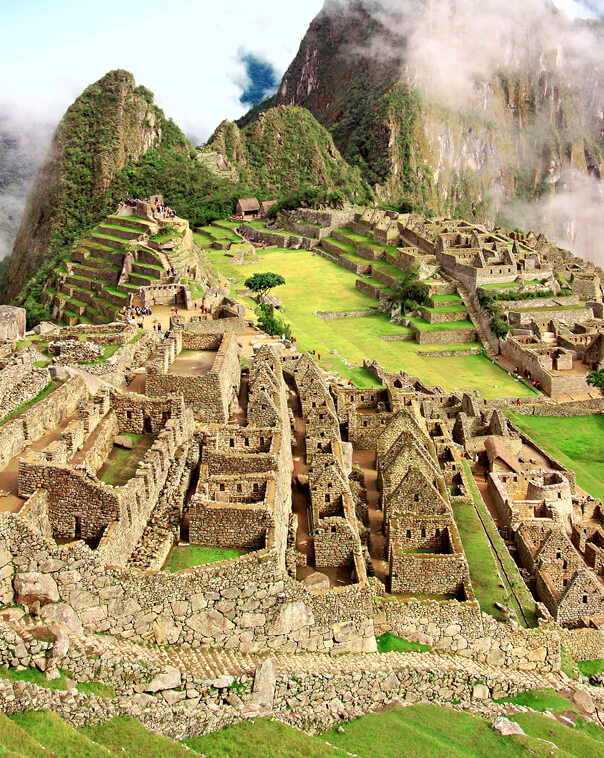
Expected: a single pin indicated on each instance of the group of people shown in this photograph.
(158, 210)
(133, 312)
(528, 377)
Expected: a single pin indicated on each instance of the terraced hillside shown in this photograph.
(444, 319)
(111, 263)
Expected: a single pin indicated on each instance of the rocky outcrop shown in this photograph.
(354, 71)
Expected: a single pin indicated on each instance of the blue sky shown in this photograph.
(186, 51)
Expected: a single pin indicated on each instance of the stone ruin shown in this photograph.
(341, 502)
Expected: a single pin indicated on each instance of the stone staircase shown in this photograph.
(477, 319)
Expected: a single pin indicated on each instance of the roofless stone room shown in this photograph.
(302, 379)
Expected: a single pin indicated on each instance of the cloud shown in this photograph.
(261, 78)
(23, 143)
(454, 51)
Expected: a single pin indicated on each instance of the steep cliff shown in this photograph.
(111, 124)
(525, 128)
(283, 149)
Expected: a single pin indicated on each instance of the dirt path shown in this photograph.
(366, 461)
(9, 476)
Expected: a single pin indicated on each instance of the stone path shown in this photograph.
(475, 319)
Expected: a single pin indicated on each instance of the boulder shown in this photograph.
(265, 680)
(480, 692)
(64, 615)
(223, 682)
(292, 616)
(209, 623)
(302, 480)
(169, 679)
(45, 327)
(583, 699)
(33, 588)
(506, 727)
(125, 441)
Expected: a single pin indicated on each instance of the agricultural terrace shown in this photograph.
(316, 284)
(577, 442)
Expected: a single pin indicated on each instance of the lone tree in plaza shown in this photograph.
(262, 284)
(409, 291)
(596, 379)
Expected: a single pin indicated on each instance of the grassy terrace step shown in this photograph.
(446, 299)
(113, 290)
(424, 326)
(510, 285)
(457, 308)
(117, 243)
(120, 232)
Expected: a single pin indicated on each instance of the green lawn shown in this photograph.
(57, 736)
(389, 642)
(589, 668)
(261, 738)
(126, 736)
(121, 463)
(487, 583)
(187, 556)
(541, 700)
(518, 594)
(577, 442)
(333, 290)
(428, 731)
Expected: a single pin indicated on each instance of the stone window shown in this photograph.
(231, 442)
(255, 488)
(408, 534)
(558, 554)
(128, 414)
(423, 531)
(585, 599)
(222, 486)
(564, 582)
(239, 488)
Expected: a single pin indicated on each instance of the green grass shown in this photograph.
(34, 676)
(121, 463)
(261, 738)
(577, 442)
(590, 668)
(188, 556)
(584, 741)
(17, 743)
(126, 736)
(446, 298)
(427, 731)
(40, 396)
(486, 581)
(457, 308)
(518, 593)
(57, 735)
(424, 326)
(333, 290)
(389, 642)
(541, 700)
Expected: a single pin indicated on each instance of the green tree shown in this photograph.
(262, 284)
(409, 291)
(596, 379)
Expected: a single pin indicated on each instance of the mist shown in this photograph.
(23, 144)
(454, 50)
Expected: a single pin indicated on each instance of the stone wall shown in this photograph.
(20, 381)
(444, 336)
(451, 626)
(40, 419)
(231, 525)
(210, 396)
(334, 543)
